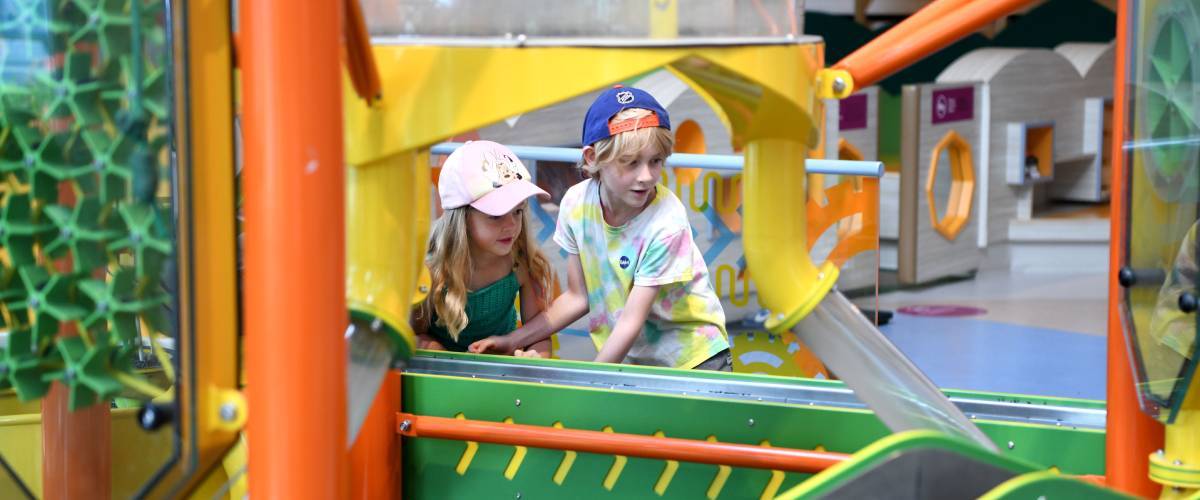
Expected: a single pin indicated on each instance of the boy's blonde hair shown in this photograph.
(628, 144)
(449, 261)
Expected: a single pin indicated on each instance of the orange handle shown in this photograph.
(683, 450)
(922, 34)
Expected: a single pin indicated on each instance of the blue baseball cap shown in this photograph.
(613, 101)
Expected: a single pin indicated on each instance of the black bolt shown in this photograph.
(1187, 302)
(153, 416)
(1125, 277)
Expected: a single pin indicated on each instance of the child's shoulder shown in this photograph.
(668, 204)
(576, 194)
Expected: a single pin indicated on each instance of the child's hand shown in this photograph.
(528, 354)
(492, 345)
(429, 344)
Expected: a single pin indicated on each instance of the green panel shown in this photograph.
(1050, 485)
(430, 463)
(828, 481)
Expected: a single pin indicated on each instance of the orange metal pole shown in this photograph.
(295, 302)
(76, 445)
(922, 35)
(360, 60)
(683, 450)
(902, 29)
(375, 456)
(1130, 434)
(76, 448)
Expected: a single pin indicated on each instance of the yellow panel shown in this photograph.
(430, 93)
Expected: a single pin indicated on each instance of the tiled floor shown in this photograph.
(1041, 333)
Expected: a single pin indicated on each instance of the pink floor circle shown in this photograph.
(941, 310)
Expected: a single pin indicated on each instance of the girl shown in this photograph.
(631, 258)
(480, 254)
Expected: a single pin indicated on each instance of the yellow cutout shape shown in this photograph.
(514, 464)
(776, 479)
(618, 465)
(718, 482)
(565, 466)
(468, 454)
(668, 472)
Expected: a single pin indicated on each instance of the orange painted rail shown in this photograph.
(662, 448)
(922, 34)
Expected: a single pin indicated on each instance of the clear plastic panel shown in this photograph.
(87, 234)
(1162, 146)
(600, 20)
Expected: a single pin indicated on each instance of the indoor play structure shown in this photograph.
(184, 299)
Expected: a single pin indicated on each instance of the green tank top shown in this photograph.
(490, 311)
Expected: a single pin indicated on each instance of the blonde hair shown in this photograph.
(628, 143)
(449, 261)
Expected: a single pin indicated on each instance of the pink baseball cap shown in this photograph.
(487, 176)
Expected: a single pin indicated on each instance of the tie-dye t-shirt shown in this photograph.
(686, 324)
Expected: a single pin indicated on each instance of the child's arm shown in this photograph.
(567, 308)
(629, 325)
(419, 319)
(532, 301)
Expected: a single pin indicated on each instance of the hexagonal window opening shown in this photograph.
(950, 185)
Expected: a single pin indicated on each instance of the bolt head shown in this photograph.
(750, 422)
(518, 402)
(228, 412)
(1011, 445)
(839, 85)
(405, 425)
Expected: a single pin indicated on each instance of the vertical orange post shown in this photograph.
(76, 445)
(76, 448)
(295, 310)
(375, 457)
(1131, 435)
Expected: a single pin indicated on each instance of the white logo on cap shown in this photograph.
(625, 97)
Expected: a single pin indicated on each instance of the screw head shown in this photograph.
(405, 425)
(1177, 462)
(423, 289)
(518, 495)
(839, 85)
(376, 324)
(750, 422)
(228, 412)
(518, 402)
(1011, 445)
(1159, 452)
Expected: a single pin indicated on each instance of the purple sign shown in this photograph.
(852, 112)
(941, 310)
(951, 105)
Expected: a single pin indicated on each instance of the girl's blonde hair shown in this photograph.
(449, 261)
(628, 143)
